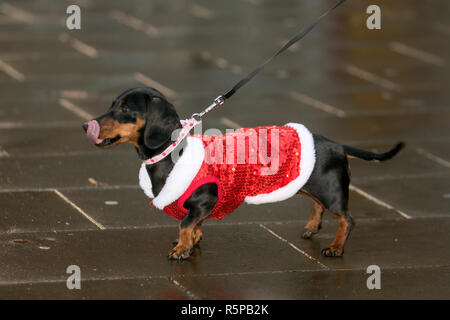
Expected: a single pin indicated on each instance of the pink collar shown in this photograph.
(187, 125)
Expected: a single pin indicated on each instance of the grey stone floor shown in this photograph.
(361, 87)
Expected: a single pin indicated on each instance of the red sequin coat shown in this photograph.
(255, 165)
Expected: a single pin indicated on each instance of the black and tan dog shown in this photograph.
(144, 118)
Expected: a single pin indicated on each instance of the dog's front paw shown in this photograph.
(180, 251)
(332, 251)
(309, 232)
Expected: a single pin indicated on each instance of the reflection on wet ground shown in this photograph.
(369, 88)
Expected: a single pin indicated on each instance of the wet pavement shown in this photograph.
(66, 203)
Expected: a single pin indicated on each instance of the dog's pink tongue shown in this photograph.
(93, 131)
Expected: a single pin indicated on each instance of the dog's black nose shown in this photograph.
(85, 126)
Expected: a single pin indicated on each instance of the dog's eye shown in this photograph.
(125, 109)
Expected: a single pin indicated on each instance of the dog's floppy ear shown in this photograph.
(161, 121)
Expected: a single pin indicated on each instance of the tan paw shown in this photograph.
(332, 251)
(180, 251)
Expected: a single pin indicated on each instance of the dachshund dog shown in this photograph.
(146, 119)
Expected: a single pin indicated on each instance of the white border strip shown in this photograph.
(317, 104)
(3, 153)
(72, 188)
(66, 104)
(372, 78)
(37, 125)
(78, 45)
(378, 201)
(184, 289)
(133, 22)
(98, 224)
(293, 246)
(12, 72)
(417, 54)
(142, 78)
(17, 13)
(201, 12)
(230, 123)
(433, 157)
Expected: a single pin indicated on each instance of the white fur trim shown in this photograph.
(181, 176)
(307, 161)
(145, 182)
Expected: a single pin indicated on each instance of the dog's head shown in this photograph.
(140, 116)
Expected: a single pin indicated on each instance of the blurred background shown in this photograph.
(65, 202)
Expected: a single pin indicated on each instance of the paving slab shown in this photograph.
(129, 253)
(32, 111)
(126, 208)
(408, 163)
(24, 212)
(123, 289)
(42, 147)
(72, 171)
(419, 197)
(31, 142)
(386, 243)
(383, 101)
(438, 149)
(401, 283)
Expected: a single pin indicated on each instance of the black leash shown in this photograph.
(220, 100)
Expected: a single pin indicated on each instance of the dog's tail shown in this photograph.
(367, 155)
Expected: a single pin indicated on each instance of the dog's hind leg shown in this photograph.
(329, 185)
(336, 248)
(338, 205)
(336, 201)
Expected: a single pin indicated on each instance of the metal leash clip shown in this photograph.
(220, 100)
